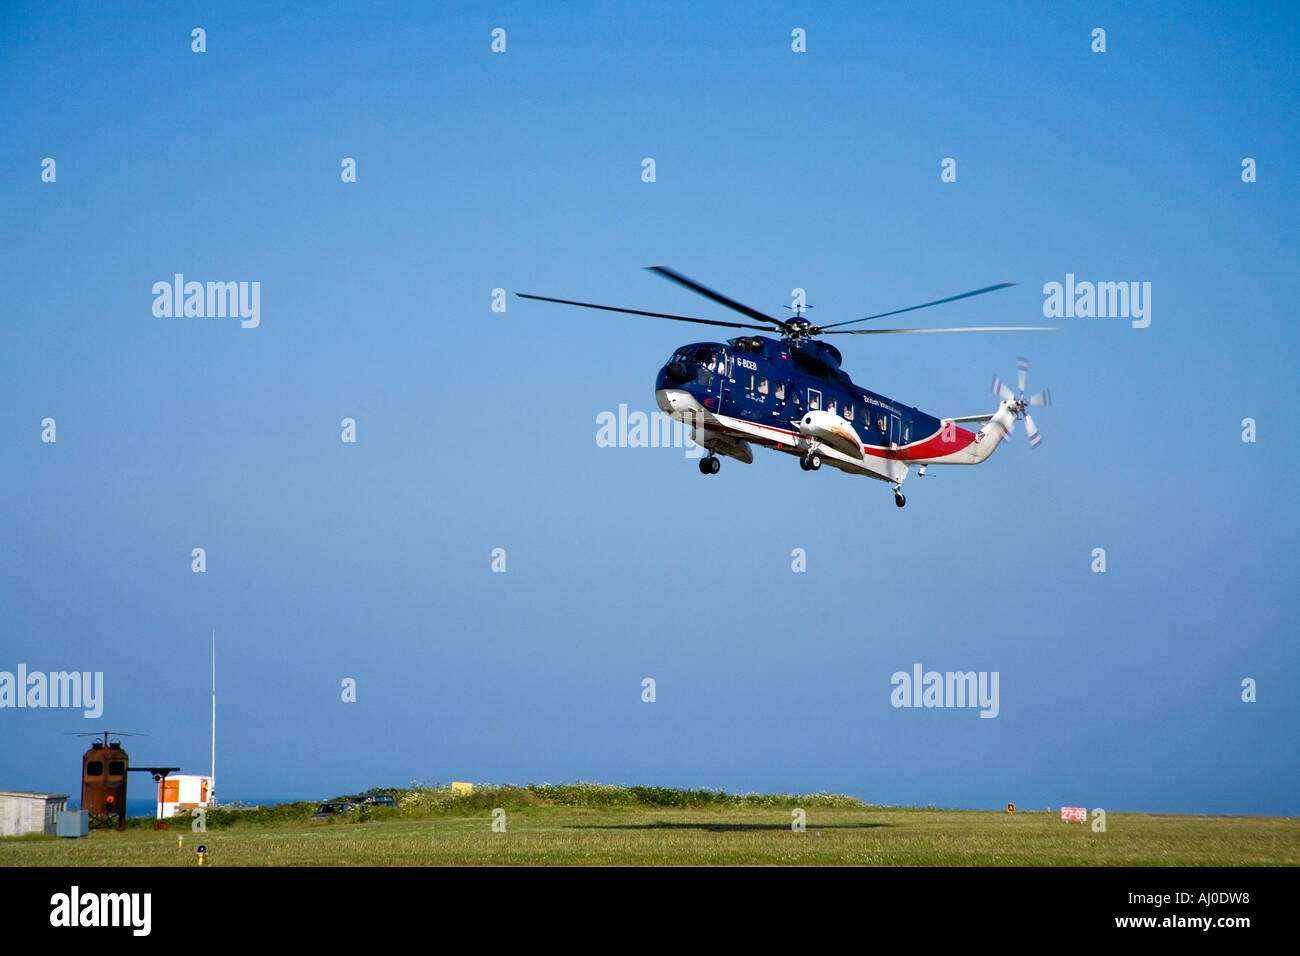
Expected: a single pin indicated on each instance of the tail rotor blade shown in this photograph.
(1035, 436)
(1018, 405)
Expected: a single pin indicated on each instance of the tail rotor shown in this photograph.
(1018, 403)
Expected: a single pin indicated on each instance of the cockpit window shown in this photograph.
(709, 357)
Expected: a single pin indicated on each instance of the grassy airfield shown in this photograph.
(593, 824)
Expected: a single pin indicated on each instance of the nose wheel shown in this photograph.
(898, 498)
(710, 465)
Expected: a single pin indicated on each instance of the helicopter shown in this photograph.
(789, 394)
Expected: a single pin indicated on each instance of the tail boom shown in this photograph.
(957, 446)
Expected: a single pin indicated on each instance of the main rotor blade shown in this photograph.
(1001, 391)
(655, 315)
(716, 296)
(1042, 398)
(924, 305)
(1022, 370)
(964, 328)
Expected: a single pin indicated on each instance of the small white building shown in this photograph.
(179, 792)
(26, 811)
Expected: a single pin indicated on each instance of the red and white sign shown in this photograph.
(1074, 813)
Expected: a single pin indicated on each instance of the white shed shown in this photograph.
(26, 811)
(184, 791)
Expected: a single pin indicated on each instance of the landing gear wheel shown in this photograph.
(811, 462)
(710, 465)
(899, 499)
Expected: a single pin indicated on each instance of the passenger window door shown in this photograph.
(814, 400)
(725, 368)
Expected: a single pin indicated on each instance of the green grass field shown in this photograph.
(591, 824)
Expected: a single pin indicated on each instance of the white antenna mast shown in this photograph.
(213, 785)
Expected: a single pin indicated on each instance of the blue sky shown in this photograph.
(476, 429)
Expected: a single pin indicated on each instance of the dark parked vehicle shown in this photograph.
(380, 800)
(333, 808)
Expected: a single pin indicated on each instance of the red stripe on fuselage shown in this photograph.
(933, 447)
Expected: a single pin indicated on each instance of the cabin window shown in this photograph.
(814, 400)
(116, 768)
(779, 388)
(848, 411)
(907, 432)
(95, 768)
(882, 423)
(831, 406)
(762, 385)
(749, 382)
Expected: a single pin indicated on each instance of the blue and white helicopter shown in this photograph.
(791, 395)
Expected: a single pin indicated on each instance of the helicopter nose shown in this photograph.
(679, 404)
